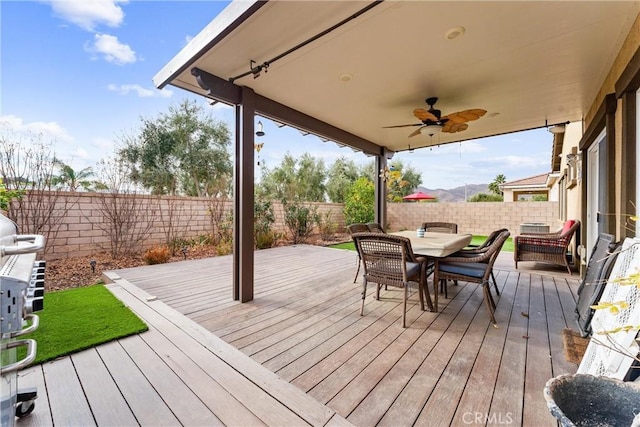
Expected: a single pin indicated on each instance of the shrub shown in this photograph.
(484, 197)
(326, 226)
(266, 239)
(157, 255)
(358, 206)
(224, 247)
(263, 219)
(299, 220)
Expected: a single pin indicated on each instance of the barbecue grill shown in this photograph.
(21, 294)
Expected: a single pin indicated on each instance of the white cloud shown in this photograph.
(514, 162)
(87, 14)
(49, 130)
(104, 143)
(142, 92)
(111, 49)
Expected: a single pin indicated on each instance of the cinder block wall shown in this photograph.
(83, 227)
(477, 218)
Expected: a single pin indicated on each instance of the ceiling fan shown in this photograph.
(433, 121)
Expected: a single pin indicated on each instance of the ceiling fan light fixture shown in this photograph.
(431, 129)
(556, 129)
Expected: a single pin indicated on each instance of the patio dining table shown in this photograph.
(433, 246)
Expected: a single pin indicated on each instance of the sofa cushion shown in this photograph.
(567, 225)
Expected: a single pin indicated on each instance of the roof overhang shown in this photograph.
(529, 64)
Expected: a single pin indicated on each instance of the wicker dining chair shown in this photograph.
(474, 251)
(440, 227)
(545, 247)
(389, 260)
(375, 227)
(352, 229)
(476, 269)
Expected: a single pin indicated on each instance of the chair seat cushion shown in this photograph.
(471, 269)
(388, 268)
(413, 270)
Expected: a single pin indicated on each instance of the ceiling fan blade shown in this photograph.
(422, 114)
(402, 126)
(466, 115)
(415, 132)
(452, 127)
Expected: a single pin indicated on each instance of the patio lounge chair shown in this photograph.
(389, 260)
(603, 257)
(440, 227)
(475, 269)
(352, 229)
(545, 247)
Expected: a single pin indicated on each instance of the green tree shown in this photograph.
(72, 180)
(294, 180)
(484, 197)
(341, 176)
(358, 205)
(184, 151)
(494, 187)
(403, 181)
(6, 196)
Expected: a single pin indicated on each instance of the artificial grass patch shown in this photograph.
(346, 245)
(81, 318)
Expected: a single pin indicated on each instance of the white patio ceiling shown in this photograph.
(526, 63)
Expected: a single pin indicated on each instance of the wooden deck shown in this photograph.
(304, 328)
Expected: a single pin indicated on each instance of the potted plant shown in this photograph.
(597, 394)
(588, 400)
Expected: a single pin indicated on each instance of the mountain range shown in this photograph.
(456, 194)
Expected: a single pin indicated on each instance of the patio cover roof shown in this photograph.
(526, 63)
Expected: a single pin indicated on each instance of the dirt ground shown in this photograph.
(77, 272)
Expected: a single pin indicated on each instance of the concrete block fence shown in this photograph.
(476, 218)
(83, 229)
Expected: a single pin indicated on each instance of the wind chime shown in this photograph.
(258, 147)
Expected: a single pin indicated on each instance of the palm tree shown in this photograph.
(71, 180)
(494, 187)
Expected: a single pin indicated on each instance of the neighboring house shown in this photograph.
(526, 189)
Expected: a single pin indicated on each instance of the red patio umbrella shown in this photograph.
(419, 196)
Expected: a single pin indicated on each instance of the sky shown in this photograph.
(79, 75)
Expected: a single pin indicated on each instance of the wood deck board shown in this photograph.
(107, 403)
(304, 326)
(66, 398)
(508, 390)
(413, 379)
(244, 381)
(341, 366)
(538, 357)
(376, 386)
(147, 405)
(358, 351)
(41, 415)
(478, 392)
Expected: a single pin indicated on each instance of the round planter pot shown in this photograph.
(587, 400)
